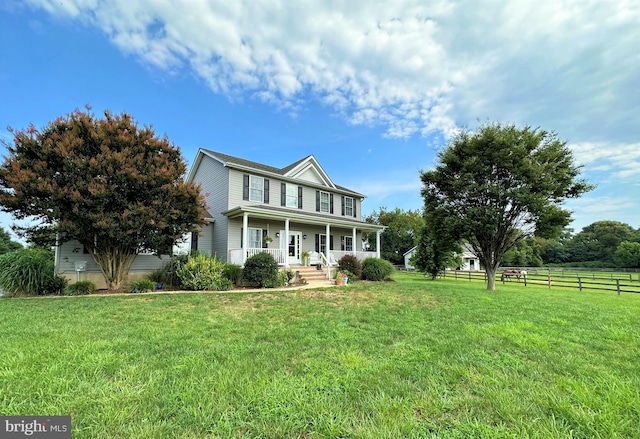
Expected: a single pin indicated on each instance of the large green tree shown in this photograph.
(627, 254)
(115, 187)
(501, 184)
(598, 241)
(400, 234)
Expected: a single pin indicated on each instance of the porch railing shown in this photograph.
(235, 255)
(361, 255)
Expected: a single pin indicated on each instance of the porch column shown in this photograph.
(286, 243)
(354, 249)
(328, 241)
(245, 236)
(378, 243)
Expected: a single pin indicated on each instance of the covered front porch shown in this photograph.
(287, 236)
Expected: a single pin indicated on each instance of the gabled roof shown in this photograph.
(306, 169)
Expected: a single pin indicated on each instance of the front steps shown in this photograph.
(311, 274)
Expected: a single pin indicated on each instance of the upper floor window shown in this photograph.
(292, 196)
(348, 206)
(324, 202)
(256, 188)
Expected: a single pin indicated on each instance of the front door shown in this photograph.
(293, 246)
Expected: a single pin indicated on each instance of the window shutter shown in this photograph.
(194, 241)
(330, 203)
(318, 242)
(317, 201)
(299, 197)
(241, 235)
(342, 205)
(266, 191)
(283, 194)
(330, 242)
(264, 235)
(245, 187)
(354, 208)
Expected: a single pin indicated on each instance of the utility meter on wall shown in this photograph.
(81, 265)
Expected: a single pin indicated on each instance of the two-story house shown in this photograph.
(255, 208)
(283, 211)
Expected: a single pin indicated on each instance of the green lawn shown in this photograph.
(411, 358)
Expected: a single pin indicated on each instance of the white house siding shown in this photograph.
(310, 175)
(72, 251)
(408, 256)
(213, 177)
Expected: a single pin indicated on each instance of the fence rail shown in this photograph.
(581, 282)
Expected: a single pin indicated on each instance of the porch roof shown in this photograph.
(315, 218)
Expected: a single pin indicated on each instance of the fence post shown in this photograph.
(469, 275)
(579, 283)
(618, 285)
(549, 280)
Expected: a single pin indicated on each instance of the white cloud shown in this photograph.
(621, 161)
(411, 66)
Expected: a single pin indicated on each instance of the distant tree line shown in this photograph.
(598, 245)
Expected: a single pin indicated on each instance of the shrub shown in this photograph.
(142, 286)
(171, 268)
(285, 277)
(80, 288)
(376, 269)
(203, 272)
(29, 272)
(233, 273)
(352, 264)
(262, 270)
(158, 276)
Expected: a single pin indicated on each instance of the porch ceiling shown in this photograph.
(275, 213)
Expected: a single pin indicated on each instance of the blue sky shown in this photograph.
(371, 91)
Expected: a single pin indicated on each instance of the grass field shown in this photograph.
(410, 358)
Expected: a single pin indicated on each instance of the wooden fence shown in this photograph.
(619, 283)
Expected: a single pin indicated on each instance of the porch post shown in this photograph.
(354, 249)
(328, 241)
(286, 243)
(245, 236)
(378, 243)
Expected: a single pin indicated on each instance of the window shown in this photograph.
(321, 243)
(347, 243)
(324, 202)
(348, 206)
(256, 186)
(292, 195)
(254, 238)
